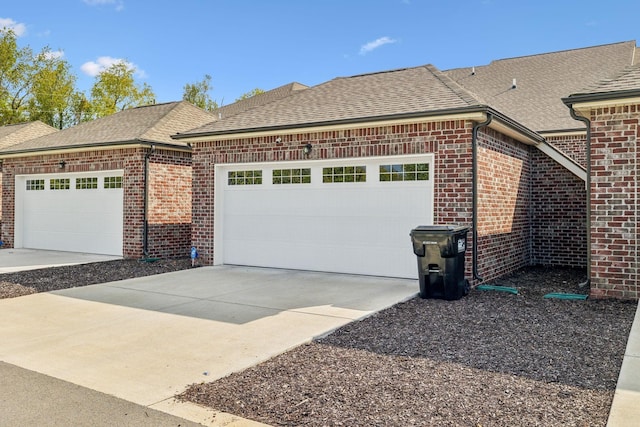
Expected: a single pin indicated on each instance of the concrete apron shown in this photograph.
(146, 339)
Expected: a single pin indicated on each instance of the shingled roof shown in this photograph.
(17, 133)
(542, 81)
(151, 124)
(367, 96)
(627, 80)
(260, 99)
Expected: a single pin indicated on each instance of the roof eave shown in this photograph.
(585, 101)
(89, 147)
(473, 113)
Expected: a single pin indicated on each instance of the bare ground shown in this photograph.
(489, 359)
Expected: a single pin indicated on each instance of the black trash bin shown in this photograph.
(440, 250)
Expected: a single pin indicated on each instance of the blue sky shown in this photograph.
(247, 44)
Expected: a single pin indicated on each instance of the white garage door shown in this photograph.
(347, 216)
(75, 212)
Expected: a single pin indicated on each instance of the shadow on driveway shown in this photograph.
(240, 295)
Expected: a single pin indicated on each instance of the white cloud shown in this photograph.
(376, 44)
(119, 4)
(18, 28)
(54, 54)
(93, 68)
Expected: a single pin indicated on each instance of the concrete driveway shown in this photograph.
(12, 260)
(145, 340)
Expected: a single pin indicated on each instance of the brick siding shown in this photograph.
(559, 227)
(574, 146)
(504, 211)
(615, 133)
(169, 220)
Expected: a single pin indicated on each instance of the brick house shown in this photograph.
(117, 185)
(611, 110)
(334, 177)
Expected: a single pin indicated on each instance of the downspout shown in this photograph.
(474, 189)
(587, 122)
(145, 230)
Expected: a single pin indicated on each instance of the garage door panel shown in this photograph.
(359, 228)
(76, 220)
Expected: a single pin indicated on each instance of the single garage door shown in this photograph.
(75, 212)
(346, 216)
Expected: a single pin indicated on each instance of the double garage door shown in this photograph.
(75, 212)
(346, 216)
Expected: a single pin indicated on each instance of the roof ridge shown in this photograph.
(464, 94)
(373, 73)
(155, 124)
(562, 51)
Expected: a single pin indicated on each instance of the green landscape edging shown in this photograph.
(559, 295)
(497, 288)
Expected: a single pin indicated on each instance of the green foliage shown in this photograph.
(42, 87)
(52, 92)
(198, 94)
(253, 92)
(115, 90)
(17, 67)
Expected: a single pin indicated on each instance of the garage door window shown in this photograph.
(59, 184)
(404, 172)
(113, 182)
(291, 176)
(86, 183)
(344, 174)
(253, 177)
(35, 184)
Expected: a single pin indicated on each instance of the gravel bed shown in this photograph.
(51, 279)
(490, 359)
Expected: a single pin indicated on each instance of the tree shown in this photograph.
(115, 90)
(81, 108)
(17, 67)
(198, 94)
(253, 92)
(53, 89)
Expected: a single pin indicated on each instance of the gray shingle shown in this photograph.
(11, 135)
(542, 81)
(153, 123)
(626, 80)
(403, 91)
(258, 100)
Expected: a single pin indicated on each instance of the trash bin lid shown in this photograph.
(441, 228)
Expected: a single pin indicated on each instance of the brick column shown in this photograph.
(614, 202)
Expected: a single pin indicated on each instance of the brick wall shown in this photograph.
(615, 133)
(169, 227)
(504, 209)
(574, 146)
(559, 199)
(169, 204)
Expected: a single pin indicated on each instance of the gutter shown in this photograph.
(145, 231)
(587, 123)
(474, 190)
(571, 100)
